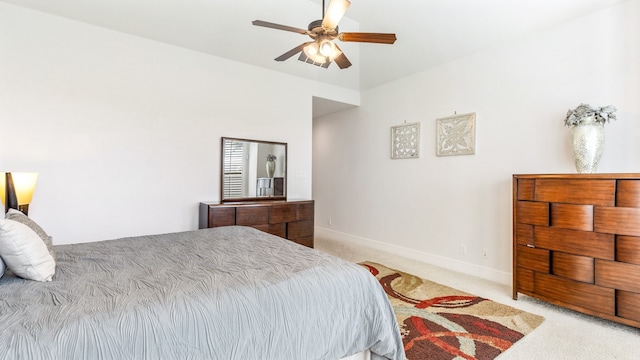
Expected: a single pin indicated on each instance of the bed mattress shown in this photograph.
(221, 293)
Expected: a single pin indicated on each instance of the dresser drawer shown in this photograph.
(222, 216)
(282, 213)
(300, 229)
(576, 242)
(291, 220)
(252, 215)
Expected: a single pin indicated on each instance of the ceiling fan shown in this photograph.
(322, 51)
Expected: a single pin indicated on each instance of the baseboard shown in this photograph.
(494, 275)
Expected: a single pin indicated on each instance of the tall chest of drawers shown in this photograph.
(576, 242)
(293, 220)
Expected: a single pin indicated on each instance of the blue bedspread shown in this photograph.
(222, 293)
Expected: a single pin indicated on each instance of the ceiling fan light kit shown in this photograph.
(322, 51)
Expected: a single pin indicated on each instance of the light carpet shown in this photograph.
(441, 323)
(564, 335)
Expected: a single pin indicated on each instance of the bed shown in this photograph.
(220, 293)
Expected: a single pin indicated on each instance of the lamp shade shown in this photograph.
(326, 48)
(24, 184)
(313, 53)
(322, 51)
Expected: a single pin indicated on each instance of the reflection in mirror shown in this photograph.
(253, 170)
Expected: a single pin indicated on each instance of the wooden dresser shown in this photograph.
(576, 242)
(291, 220)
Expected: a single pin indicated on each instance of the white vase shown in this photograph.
(587, 140)
(271, 168)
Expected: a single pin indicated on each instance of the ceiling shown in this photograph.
(430, 32)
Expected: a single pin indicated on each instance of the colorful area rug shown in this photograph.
(439, 322)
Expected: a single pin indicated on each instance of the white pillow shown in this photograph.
(20, 217)
(24, 252)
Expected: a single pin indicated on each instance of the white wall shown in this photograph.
(125, 132)
(427, 208)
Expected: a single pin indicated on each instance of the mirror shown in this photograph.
(253, 170)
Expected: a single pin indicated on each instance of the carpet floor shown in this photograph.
(441, 323)
(564, 335)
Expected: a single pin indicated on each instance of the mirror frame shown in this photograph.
(256, 198)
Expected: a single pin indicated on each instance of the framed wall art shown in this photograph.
(405, 141)
(456, 135)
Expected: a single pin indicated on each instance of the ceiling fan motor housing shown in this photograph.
(316, 29)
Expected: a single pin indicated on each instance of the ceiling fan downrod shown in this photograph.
(322, 9)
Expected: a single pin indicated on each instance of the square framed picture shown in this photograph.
(456, 135)
(405, 141)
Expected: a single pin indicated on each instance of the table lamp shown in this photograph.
(16, 190)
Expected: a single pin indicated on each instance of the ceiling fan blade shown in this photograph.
(341, 60)
(377, 38)
(279, 27)
(292, 52)
(304, 58)
(335, 12)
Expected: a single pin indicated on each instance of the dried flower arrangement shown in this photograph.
(600, 114)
